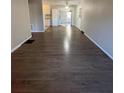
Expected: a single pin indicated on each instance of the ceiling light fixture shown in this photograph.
(67, 6)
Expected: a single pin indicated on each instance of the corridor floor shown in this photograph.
(61, 60)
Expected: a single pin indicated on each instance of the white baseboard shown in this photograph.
(99, 46)
(15, 48)
(37, 31)
(77, 27)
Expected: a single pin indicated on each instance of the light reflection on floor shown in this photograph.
(67, 38)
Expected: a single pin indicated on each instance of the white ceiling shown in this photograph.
(62, 2)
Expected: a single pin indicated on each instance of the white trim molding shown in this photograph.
(15, 48)
(38, 31)
(99, 46)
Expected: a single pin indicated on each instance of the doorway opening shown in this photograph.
(69, 17)
(65, 18)
(61, 17)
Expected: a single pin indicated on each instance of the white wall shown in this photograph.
(78, 17)
(97, 23)
(36, 15)
(20, 23)
(73, 9)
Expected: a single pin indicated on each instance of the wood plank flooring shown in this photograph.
(61, 60)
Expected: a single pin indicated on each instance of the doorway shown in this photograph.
(61, 17)
(69, 17)
(65, 17)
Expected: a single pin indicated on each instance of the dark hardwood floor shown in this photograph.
(61, 60)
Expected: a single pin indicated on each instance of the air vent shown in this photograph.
(82, 32)
(29, 42)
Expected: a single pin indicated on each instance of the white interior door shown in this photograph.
(63, 17)
(54, 17)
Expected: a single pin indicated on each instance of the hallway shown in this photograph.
(61, 60)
